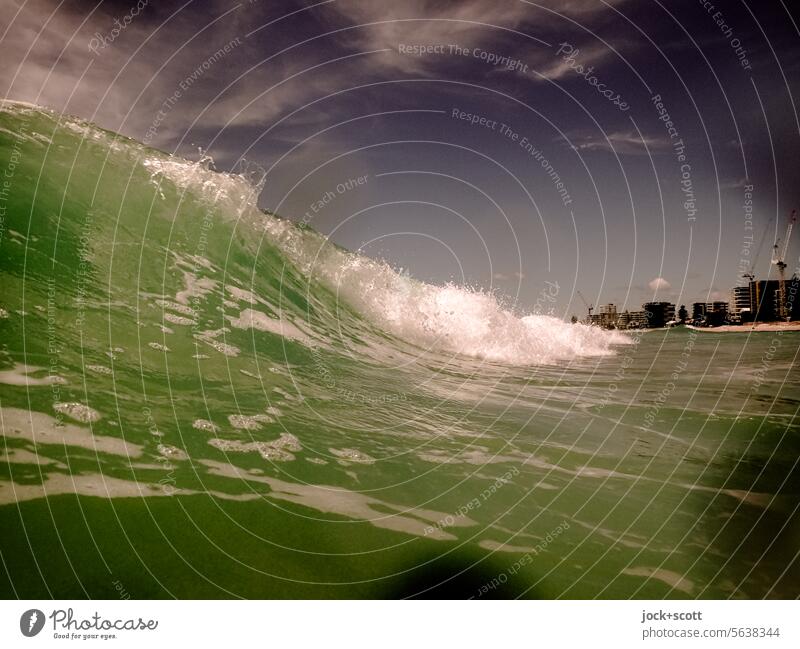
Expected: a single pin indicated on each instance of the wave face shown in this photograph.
(438, 318)
(162, 336)
(133, 195)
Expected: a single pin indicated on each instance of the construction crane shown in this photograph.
(754, 267)
(779, 259)
(589, 307)
(750, 276)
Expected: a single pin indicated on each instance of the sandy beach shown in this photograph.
(750, 327)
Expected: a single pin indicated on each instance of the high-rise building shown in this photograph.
(716, 313)
(712, 314)
(740, 299)
(632, 320)
(793, 298)
(763, 300)
(699, 310)
(608, 316)
(659, 313)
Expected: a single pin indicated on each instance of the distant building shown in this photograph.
(717, 314)
(759, 301)
(699, 310)
(608, 316)
(659, 314)
(740, 299)
(793, 298)
(632, 320)
(791, 295)
(764, 300)
(711, 314)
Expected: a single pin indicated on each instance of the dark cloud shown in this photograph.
(323, 88)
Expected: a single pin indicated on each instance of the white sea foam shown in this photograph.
(101, 486)
(440, 318)
(22, 456)
(280, 449)
(672, 579)
(195, 288)
(172, 452)
(249, 422)
(209, 337)
(178, 319)
(460, 320)
(252, 319)
(354, 505)
(244, 295)
(77, 411)
(226, 190)
(445, 318)
(347, 455)
(205, 425)
(39, 428)
(175, 306)
(93, 484)
(21, 375)
(100, 369)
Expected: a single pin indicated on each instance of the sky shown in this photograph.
(632, 150)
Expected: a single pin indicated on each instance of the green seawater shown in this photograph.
(202, 400)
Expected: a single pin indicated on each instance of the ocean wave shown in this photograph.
(447, 319)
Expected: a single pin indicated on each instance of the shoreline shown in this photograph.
(748, 328)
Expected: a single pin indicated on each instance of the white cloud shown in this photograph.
(588, 55)
(659, 284)
(467, 23)
(124, 86)
(503, 277)
(47, 59)
(619, 142)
